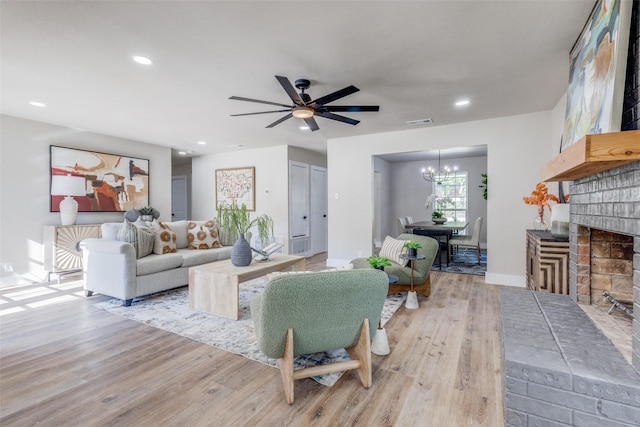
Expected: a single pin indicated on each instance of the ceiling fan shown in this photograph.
(305, 108)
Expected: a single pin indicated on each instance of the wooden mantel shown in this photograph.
(592, 154)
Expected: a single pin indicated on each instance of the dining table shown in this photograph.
(454, 226)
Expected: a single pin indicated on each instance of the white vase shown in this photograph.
(560, 221)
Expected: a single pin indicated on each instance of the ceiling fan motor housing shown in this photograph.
(303, 84)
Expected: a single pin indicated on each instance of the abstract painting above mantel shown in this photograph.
(113, 183)
(597, 73)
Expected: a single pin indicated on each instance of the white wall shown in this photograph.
(389, 227)
(24, 184)
(409, 191)
(272, 181)
(272, 185)
(517, 147)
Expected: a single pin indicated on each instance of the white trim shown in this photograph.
(505, 279)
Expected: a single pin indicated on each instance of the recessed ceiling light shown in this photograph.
(202, 142)
(182, 153)
(37, 104)
(142, 60)
(304, 127)
(462, 102)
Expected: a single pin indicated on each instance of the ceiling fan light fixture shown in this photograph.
(302, 112)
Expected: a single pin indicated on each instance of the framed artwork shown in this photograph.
(112, 182)
(236, 185)
(597, 72)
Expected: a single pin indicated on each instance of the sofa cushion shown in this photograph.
(109, 230)
(156, 263)
(139, 235)
(392, 249)
(164, 238)
(191, 258)
(202, 235)
(180, 228)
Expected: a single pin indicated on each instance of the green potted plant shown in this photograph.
(412, 248)
(379, 262)
(484, 185)
(146, 213)
(234, 220)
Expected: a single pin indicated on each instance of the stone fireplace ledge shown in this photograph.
(559, 367)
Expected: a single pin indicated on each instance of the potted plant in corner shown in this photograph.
(235, 220)
(379, 262)
(412, 248)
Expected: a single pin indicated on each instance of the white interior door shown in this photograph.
(179, 198)
(299, 199)
(318, 211)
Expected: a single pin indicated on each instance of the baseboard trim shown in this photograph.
(505, 279)
(337, 262)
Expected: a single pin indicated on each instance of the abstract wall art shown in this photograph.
(597, 72)
(236, 185)
(113, 183)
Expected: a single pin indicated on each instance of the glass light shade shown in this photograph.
(302, 112)
(68, 185)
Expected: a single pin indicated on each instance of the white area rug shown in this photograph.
(170, 311)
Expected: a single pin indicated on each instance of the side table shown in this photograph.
(412, 297)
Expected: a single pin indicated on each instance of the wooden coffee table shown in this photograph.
(215, 287)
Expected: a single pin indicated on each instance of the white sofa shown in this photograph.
(111, 268)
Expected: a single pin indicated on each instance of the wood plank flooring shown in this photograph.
(68, 363)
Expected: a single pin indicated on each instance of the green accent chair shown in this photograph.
(309, 312)
(422, 268)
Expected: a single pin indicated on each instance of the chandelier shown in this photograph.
(440, 175)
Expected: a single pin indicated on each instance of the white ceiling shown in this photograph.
(413, 58)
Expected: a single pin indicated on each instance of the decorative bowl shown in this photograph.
(439, 220)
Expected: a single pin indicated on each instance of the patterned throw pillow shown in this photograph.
(139, 235)
(164, 239)
(392, 249)
(202, 235)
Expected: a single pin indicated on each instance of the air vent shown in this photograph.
(419, 122)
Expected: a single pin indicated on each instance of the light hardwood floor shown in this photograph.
(68, 363)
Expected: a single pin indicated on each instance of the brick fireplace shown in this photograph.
(604, 264)
(605, 241)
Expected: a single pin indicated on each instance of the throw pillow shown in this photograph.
(392, 249)
(164, 238)
(139, 235)
(202, 235)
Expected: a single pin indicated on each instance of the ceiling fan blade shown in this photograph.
(280, 120)
(239, 98)
(351, 108)
(332, 116)
(313, 125)
(261, 112)
(288, 87)
(336, 95)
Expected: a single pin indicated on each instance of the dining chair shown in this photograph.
(402, 225)
(409, 220)
(472, 241)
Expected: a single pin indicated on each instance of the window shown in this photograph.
(451, 197)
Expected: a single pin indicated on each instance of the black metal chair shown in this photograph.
(443, 245)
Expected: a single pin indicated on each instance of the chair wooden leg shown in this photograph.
(362, 352)
(478, 251)
(286, 367)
